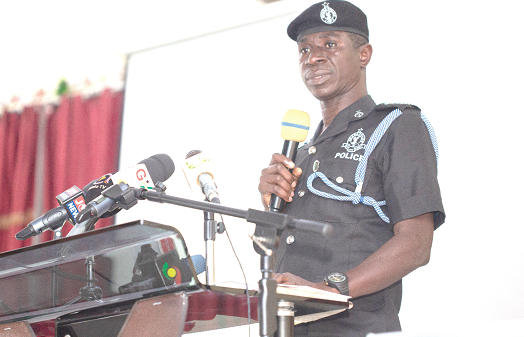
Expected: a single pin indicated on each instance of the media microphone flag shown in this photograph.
(74, 201)
(294, 130)
(145, 175)
(198, 168)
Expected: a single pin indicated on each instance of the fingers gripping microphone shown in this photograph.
(145, 174)
(294, 129)
(197, 169)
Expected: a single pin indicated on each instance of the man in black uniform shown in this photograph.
(370, 171)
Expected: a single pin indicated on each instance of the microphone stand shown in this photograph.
(209, 240)
(211, 228)
(269, 226)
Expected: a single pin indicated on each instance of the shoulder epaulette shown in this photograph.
(392, 106)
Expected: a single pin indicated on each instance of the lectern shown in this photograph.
(121, 281)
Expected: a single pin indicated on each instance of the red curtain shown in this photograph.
(18, 134)
(82, 144)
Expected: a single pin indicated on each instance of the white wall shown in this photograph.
(460, 61)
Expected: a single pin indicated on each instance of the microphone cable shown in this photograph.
(243, 274)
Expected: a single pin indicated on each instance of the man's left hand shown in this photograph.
(288, 278)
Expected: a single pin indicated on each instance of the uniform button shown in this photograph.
(340, 180)
(312, 150)
(316, 165)
(301, 193)
(290, 239)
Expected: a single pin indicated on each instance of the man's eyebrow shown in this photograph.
(326, 34)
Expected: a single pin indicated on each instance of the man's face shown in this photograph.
(329, 64)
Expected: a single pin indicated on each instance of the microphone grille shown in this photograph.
(199, 262)
(295, 125)
(160, 167)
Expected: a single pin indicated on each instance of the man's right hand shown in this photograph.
(277, 179)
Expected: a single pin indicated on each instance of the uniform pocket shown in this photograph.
(340, 172)
(312, 256)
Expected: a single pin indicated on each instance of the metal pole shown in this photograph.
(285, 319)
(210, 230)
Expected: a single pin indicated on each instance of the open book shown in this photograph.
(302, 291)
(294, 290)
(305, 291)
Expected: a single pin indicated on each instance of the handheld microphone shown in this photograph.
(71, 203)
(109, 188)
(197, 169)
(294, 129)
(53, 220)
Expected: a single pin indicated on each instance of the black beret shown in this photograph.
(326, 16)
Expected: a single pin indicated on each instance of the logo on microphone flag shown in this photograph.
(76, 206)
(136, 176)
(171, 273)
(170, 267)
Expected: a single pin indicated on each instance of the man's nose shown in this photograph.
(316, 56)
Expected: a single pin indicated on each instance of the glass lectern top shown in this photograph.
(105, 266)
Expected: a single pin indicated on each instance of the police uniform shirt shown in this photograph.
(402, 170)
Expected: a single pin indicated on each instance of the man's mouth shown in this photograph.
(318, 77)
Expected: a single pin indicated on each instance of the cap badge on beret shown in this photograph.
(328, 14)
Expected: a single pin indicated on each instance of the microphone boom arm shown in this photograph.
(269, 227)
(262, 218)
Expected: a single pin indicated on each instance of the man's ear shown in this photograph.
(365, 54)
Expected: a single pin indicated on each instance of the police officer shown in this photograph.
(383, 205)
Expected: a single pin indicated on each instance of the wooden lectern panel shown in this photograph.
(162, 316)
(17, 329)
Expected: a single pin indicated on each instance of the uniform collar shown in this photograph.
(356, 111)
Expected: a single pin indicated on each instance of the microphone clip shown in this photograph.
(160, 187)
(123, 196)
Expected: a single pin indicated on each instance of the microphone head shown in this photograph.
(196, 163)
(295, 126)
(199, 262)
(146, 173)
(26, 233)
(160, 167)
